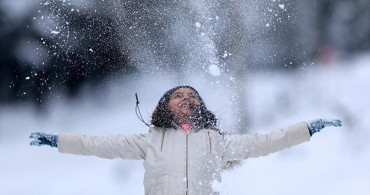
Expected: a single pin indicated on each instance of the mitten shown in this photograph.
(318, 124)
(39, 139)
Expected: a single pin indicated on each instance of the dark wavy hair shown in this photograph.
(163, 117)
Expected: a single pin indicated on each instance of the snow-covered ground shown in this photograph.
(335, 161)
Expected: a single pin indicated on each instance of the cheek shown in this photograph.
(173, 105)
(196, 102)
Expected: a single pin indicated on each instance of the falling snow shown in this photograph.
(214, 70)
(55, 32)
(282, 6)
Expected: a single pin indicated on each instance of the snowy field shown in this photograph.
(335, 161)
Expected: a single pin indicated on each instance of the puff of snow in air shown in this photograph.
(198, 25)
(214, 70)
(282, 6)
(55, 32)
(226, 54)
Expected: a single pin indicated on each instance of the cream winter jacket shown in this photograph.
(183, 163)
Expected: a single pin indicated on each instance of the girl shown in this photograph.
(184, 151)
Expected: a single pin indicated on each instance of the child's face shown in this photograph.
(181, 101)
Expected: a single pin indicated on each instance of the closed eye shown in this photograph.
(178, 95)
(192, 95)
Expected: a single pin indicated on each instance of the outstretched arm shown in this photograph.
(248, 146)
(254, 145)
(118, 146)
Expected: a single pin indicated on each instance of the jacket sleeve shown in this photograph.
(239, 147)
(119, 146)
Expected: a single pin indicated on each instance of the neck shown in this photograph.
(182, 119)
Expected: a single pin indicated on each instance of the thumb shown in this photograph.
(335, 123)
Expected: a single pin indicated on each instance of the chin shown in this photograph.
(187, 114)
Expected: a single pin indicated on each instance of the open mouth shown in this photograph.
(184, 106)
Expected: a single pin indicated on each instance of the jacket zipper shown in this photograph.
(164, 132)
(210, 142)
(187, 166)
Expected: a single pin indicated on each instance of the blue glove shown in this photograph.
(318, 124)
(39, 139)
